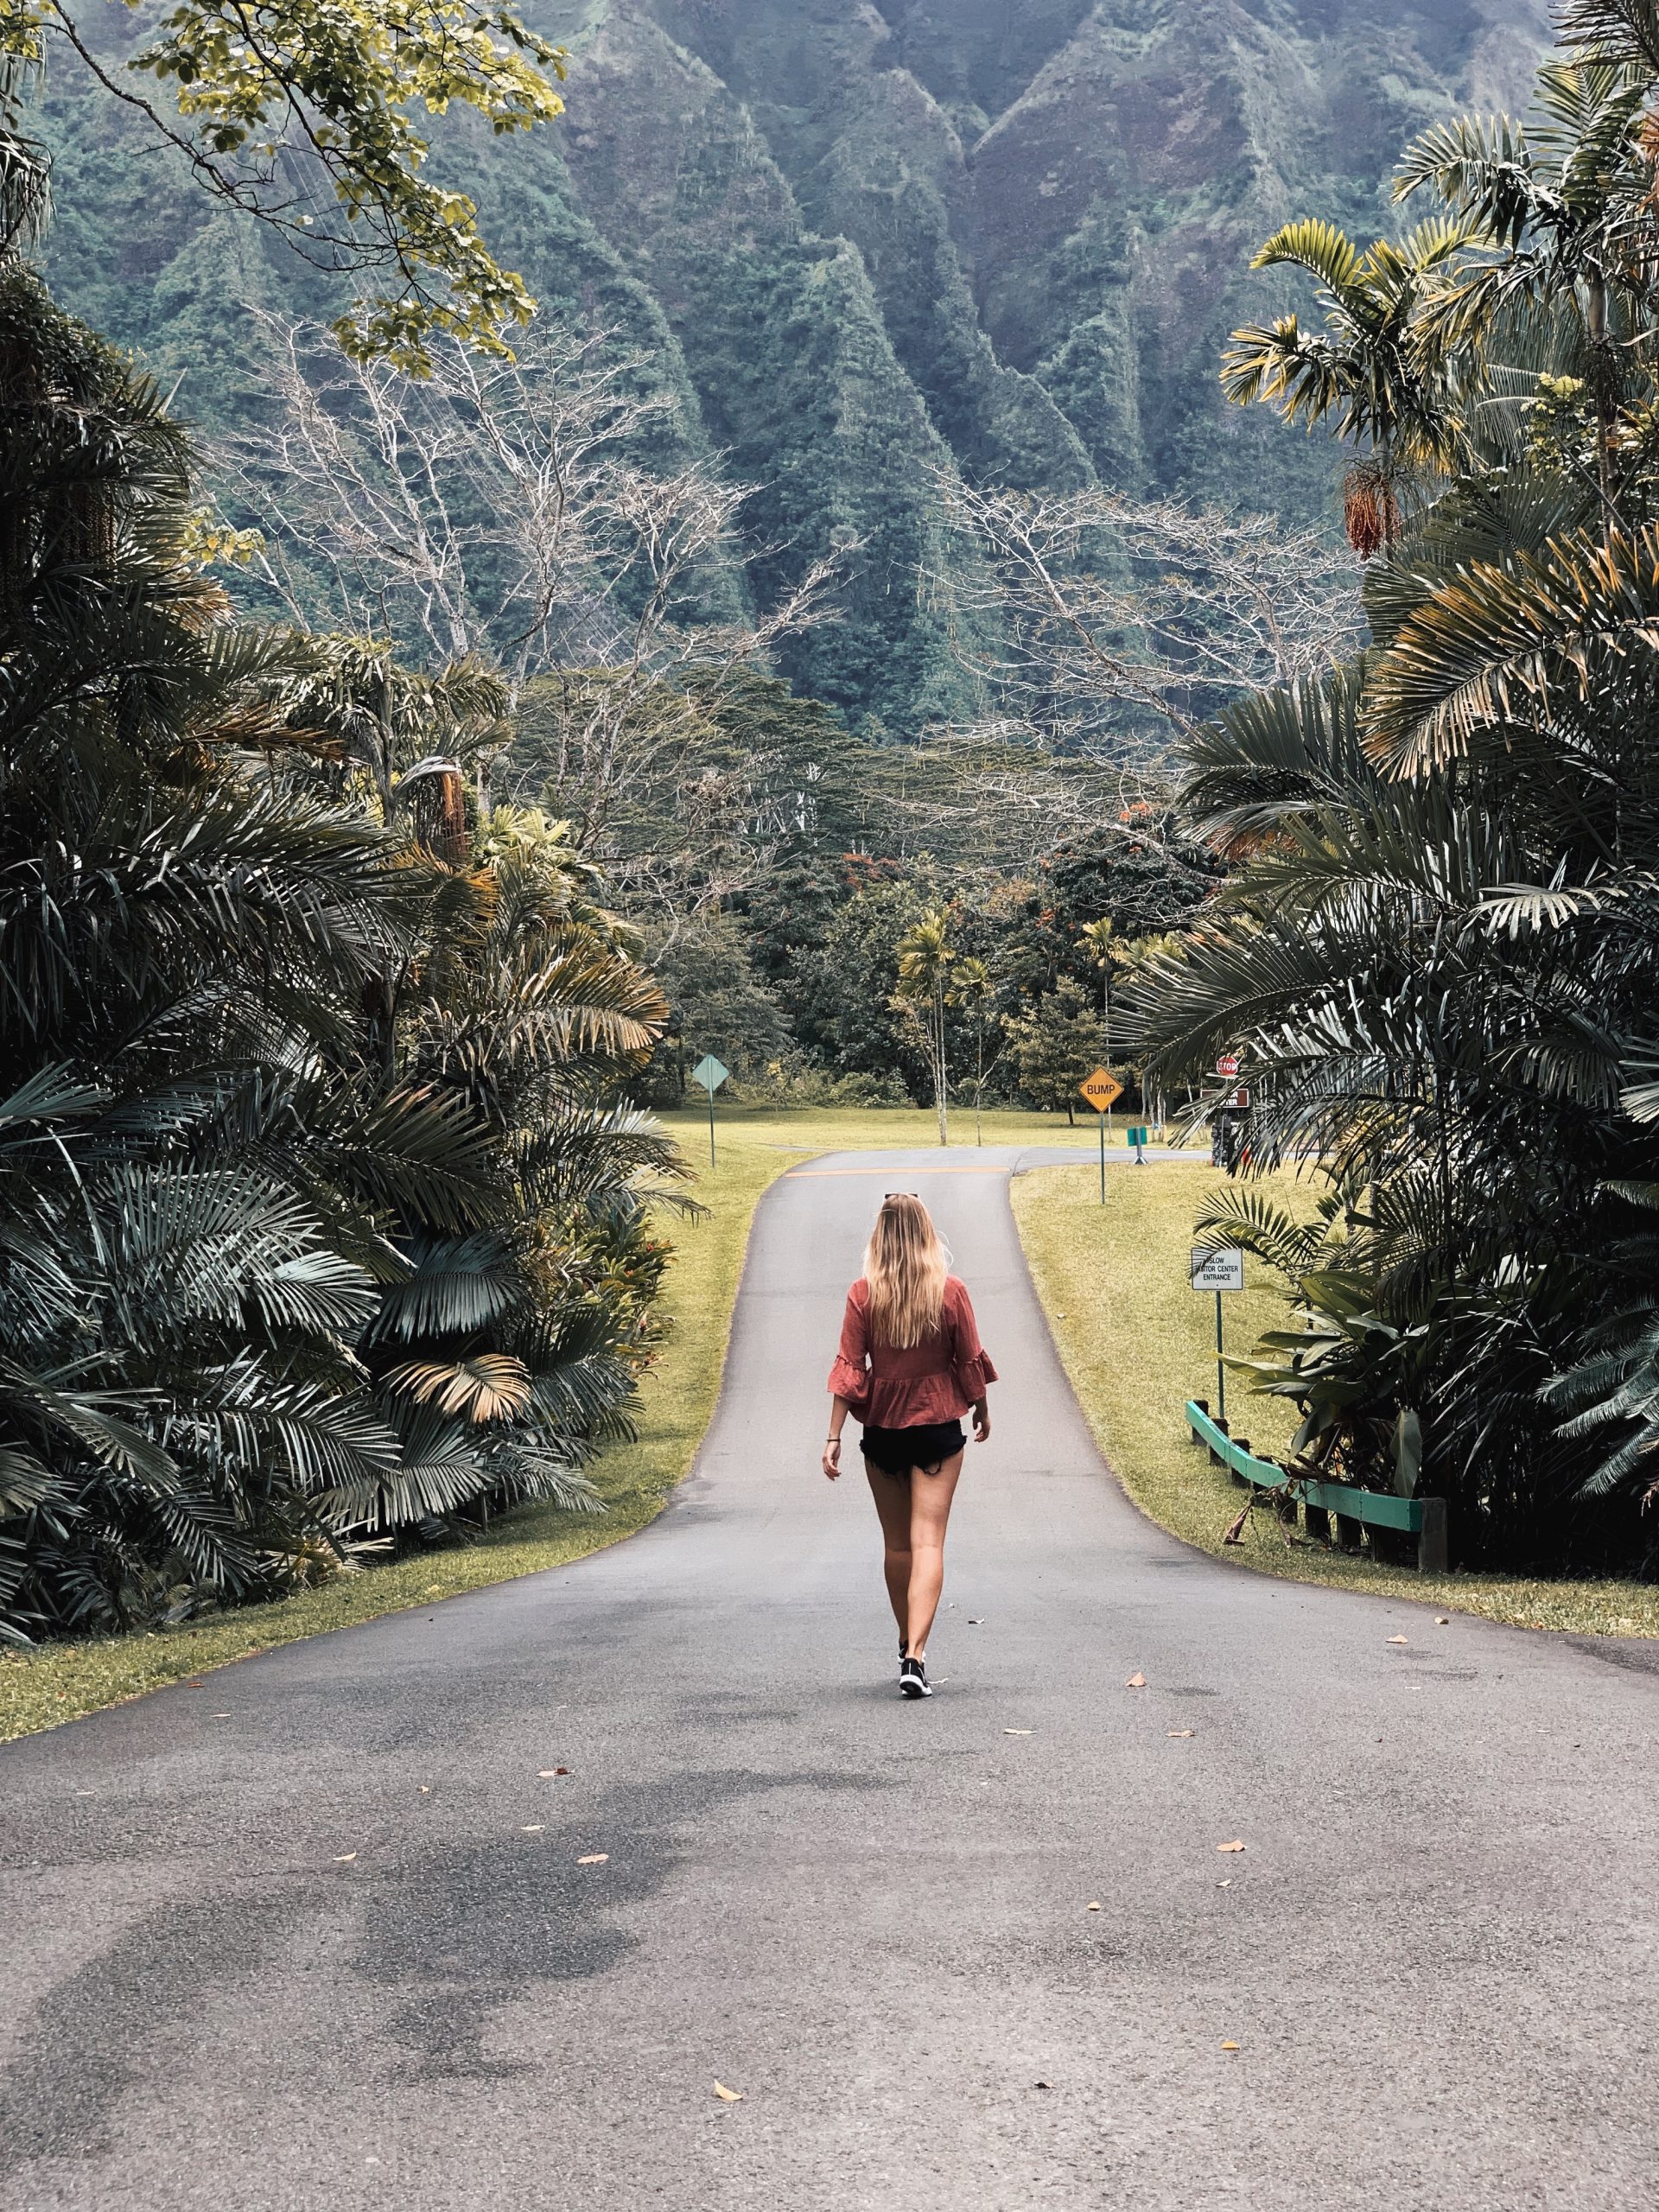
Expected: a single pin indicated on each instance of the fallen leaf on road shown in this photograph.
(1016, 1731)
(1093, 1907)
(1135, 1682)
(1234, 1845)
(1399, 1639)
(1178, 1735)
(973, 1622)
(1442, 1620)
(1229, 2046)
(549, 1773)
(600, 1858)
(1042, 2085)
(426, 1790)
(536, 1830)
(344, 1857)
(1227, 1885)
(728, 2096)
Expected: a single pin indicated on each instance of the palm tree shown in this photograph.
(1565, 220)
(182, 948)
(1441, 946)
(506, 1354)
(318, 1217)
(1362, 372)
(971, 989)
(925, 960)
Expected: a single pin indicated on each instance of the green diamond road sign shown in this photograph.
(710, 1073)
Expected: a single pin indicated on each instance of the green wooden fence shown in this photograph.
(1323, 1502)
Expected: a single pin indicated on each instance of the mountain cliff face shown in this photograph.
(871, 244)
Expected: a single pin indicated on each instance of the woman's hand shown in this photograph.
(832, 1458)
(981, 1422)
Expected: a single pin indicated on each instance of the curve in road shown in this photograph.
(331, 1929)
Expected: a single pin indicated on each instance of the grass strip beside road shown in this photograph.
(61, 1681)
(1137, 1343)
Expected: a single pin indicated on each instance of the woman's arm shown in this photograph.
(847, 1376)
(975, 1373)
(832, 1442)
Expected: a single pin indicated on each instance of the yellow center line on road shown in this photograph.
(796, 1174)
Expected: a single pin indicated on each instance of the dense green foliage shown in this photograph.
(867, 250)
(775, 865)
(1440, 958)
(319, 1226)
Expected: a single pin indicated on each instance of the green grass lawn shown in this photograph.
(1137, 1343)
(753, 1146)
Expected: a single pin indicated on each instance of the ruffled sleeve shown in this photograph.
(849, 1377)
(970, 1359)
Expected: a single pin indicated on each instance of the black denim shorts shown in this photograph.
(928, 1446)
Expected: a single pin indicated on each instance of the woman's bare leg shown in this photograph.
(930, 1512)
(892, 1496)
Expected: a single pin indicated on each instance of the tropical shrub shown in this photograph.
(1439, 953)
(318, 1222)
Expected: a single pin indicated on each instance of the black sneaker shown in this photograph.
(912, 1680)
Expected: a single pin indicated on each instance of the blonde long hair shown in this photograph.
(905, 1265)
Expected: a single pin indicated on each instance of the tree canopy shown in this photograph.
(302, 114)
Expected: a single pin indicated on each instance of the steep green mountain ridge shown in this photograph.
(869, 245)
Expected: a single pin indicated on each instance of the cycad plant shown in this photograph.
(513, 1344)
(316, 1220)
(178, 1314)
(1439, 954)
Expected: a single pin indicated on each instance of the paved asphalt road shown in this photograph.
(318, 1935)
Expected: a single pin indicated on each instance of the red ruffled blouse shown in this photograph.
(939, 1380)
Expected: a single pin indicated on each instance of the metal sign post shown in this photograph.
(1218, 1268)
(1102, 1089)
(710, 1074)
(1137, 1141)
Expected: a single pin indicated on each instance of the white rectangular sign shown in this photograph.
(1222, 1270)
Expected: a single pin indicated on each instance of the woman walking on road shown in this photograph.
(910, 1365)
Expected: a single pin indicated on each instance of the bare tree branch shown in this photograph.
(498, 513)
(1127, 622)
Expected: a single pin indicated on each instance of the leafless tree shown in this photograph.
(498, 514)
(1126, 622)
